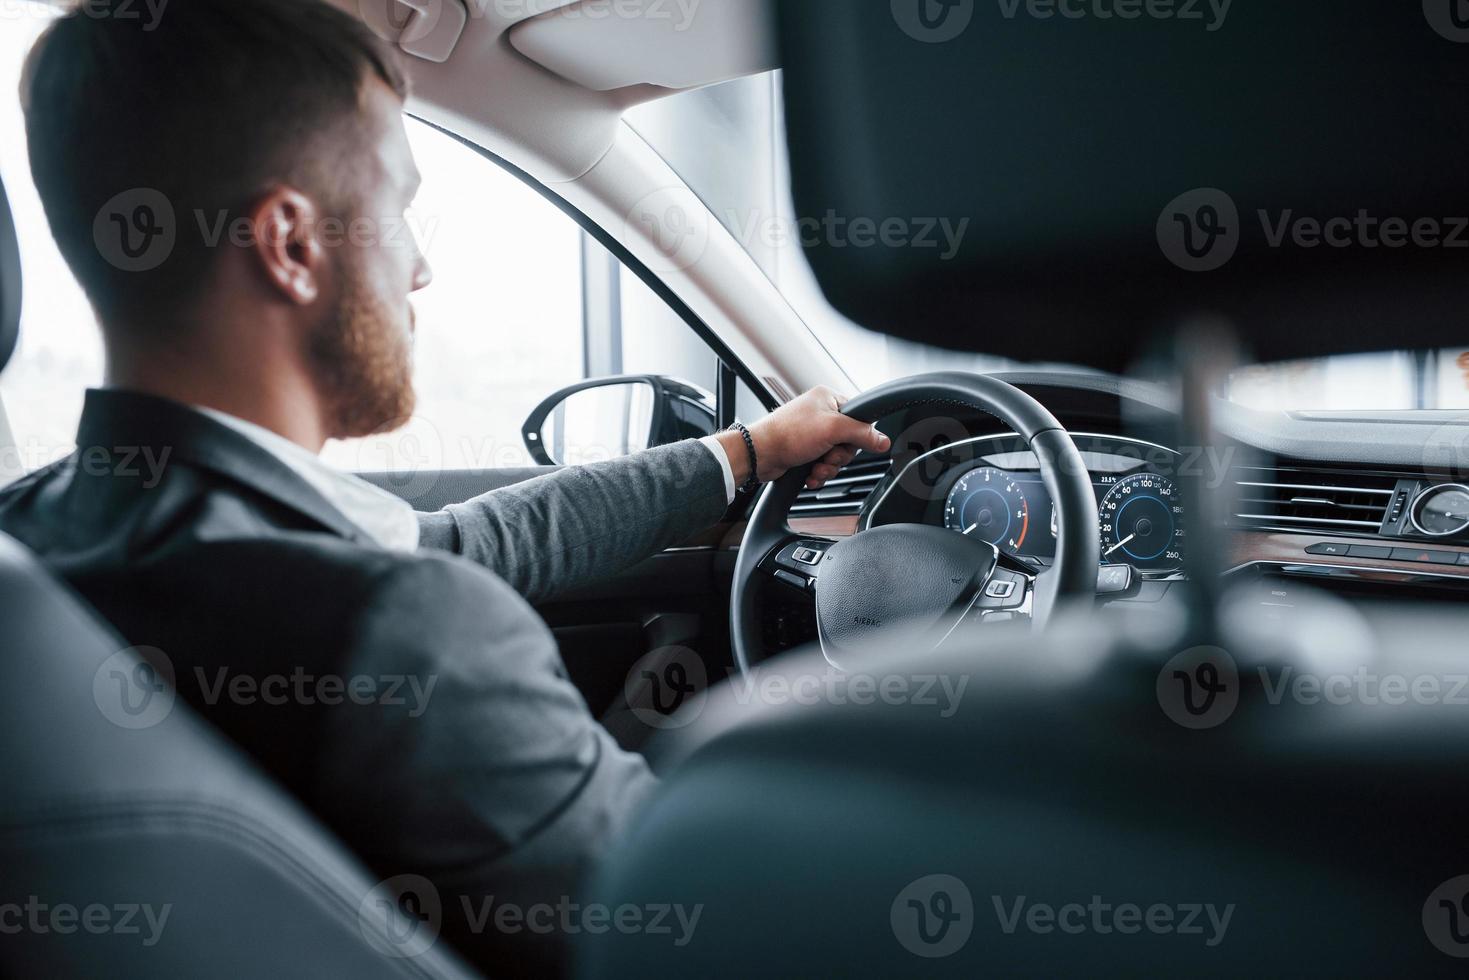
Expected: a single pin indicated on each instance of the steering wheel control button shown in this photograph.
(1006, 590)
(1114, 580)
(793, 580)
(807, 556)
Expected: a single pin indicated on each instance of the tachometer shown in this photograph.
(1142, 523)
(987, 504)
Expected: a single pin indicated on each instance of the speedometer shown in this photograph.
(987, 504)
(1142, 523)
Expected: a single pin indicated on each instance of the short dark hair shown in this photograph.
(205, 108)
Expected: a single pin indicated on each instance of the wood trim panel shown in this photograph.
(825, 527)
(817, 527)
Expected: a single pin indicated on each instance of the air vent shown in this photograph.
(1305, 499)
(847, 493)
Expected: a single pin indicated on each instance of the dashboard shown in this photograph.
(990, 488)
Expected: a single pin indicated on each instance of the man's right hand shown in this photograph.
(810, 428)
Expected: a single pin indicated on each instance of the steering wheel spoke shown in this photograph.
(797, 562)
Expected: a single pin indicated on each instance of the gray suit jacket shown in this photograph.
(416, 702)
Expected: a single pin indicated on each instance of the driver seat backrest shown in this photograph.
(892, 839)
(134, 841)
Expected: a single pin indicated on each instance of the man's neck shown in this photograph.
(280, 400)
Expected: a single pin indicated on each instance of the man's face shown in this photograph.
(361, 350)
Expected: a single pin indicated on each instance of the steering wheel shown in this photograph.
(927, 580)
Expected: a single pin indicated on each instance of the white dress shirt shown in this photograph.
(388, 520)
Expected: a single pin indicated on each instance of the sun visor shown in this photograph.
(1064, 180)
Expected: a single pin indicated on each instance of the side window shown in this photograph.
(60, 352)
(500, 327)
(523, 304)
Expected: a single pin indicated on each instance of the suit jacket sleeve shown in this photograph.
(586, 522)
(485, 772)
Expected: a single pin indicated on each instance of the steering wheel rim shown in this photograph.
(1074, 574)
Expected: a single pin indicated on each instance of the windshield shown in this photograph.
(728, 143)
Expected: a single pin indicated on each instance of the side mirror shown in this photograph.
(611, 417)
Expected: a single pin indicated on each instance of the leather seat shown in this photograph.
(134, 841)
(827, 840)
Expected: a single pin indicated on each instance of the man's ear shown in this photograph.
(286, 244)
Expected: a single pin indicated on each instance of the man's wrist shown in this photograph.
(738, 454)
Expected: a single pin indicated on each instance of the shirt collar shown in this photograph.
(389, 520)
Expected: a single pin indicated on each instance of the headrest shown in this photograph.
(1060, 180)
(9, 281)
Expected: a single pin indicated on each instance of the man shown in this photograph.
(250, 569)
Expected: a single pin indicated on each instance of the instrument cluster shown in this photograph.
(991, 489)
